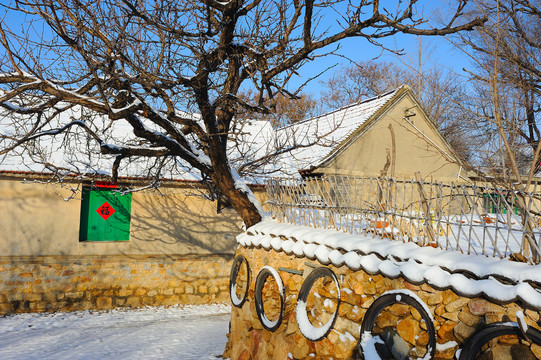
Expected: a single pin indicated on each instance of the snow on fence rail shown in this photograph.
(473, 219)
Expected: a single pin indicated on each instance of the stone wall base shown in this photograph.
(455, 317)
(71, 283)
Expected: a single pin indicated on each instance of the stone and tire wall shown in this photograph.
(71, 283)
(455, 317)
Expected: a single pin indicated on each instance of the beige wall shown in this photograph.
(366, 154)
(35, 220)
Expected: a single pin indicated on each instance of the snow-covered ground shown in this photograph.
(179, 332)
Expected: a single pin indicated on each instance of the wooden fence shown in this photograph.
(470, 218)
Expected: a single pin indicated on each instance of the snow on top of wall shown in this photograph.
(470, 275)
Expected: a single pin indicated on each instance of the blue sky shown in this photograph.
(438, 50)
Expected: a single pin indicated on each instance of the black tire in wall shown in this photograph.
(264, 273)
(389, 299)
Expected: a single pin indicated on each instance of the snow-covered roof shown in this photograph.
(274, 152)
(328, 131)
(251, 142)
(72, 152)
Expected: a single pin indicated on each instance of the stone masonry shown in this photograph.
(455, 317)
(70, 283)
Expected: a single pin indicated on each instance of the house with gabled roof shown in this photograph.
(174, 247)
(389, 135)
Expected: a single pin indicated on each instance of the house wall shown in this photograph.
(368, 151)
(179, 250)
(35, 220)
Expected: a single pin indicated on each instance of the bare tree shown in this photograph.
(507, 84)
(284, 109)
(151, 63)
(358, 81)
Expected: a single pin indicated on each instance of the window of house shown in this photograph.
(105, 214)
(499, 203)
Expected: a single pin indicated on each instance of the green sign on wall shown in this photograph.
(105, 215)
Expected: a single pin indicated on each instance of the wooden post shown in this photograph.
(426, 210)
(330, 202)
(528, 239)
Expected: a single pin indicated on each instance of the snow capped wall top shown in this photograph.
(470, 275)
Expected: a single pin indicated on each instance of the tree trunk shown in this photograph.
(246, 209)
(242, 200)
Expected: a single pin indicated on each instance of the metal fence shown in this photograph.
(473, 219)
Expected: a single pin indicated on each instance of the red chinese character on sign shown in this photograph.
(105, 210)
